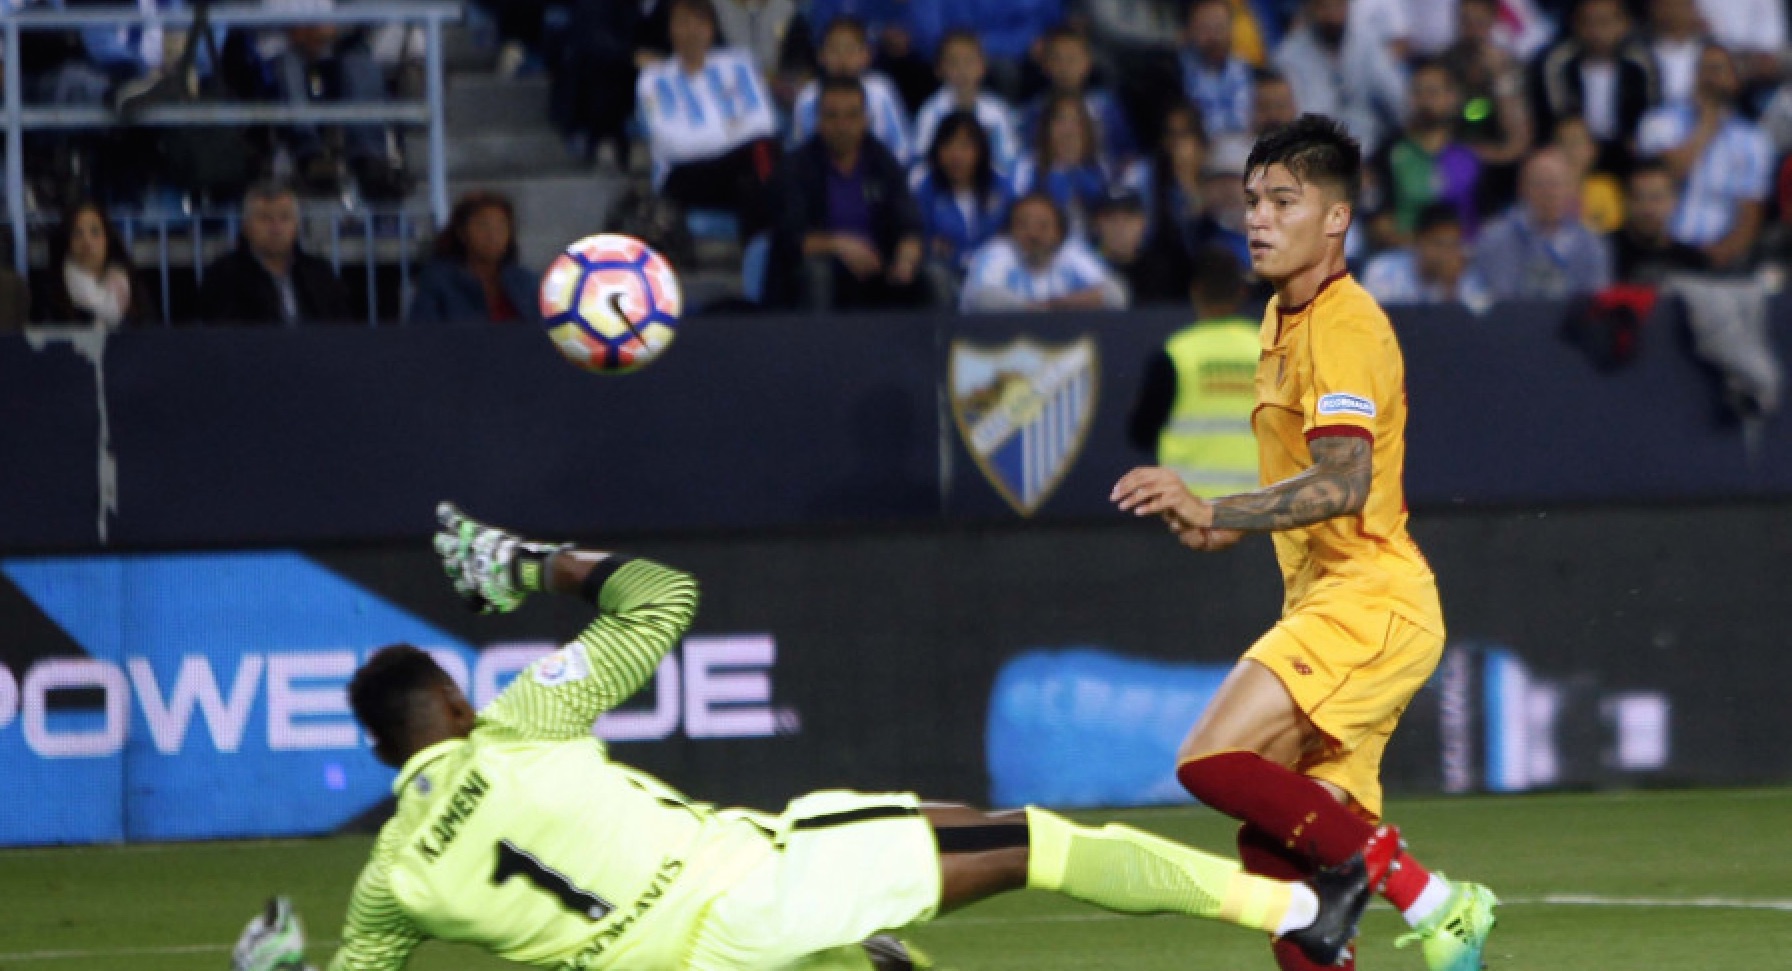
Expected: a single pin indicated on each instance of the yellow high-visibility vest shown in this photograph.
(1208, 440)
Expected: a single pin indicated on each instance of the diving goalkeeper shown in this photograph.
(515, 831)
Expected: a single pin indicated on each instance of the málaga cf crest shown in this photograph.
(1024, 410)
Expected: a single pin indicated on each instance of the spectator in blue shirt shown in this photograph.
(1541, 250)
(963, 200)
(1036, 266)
(1068, 64)
(1434, 269)
(1213, 79)
(1066, 164)
(962, 68)
(1723, 162)
(475, 277)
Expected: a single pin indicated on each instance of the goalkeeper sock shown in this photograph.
(1133, 872)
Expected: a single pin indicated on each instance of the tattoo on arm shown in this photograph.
(1336, 485)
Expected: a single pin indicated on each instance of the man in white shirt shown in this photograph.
(1723, 162)
(1434, 269)
(845, 52)
(710, 125)
(1755, 30)
(1676, 33)
(962, 67)
(1343, 73)
(1212, 77)
(1034, 267)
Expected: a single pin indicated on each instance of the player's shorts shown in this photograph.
(1351, 667)
(848, 865)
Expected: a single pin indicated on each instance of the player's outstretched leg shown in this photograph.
(1261, 854)
(1130, 871)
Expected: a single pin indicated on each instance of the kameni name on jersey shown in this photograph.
(460, 808)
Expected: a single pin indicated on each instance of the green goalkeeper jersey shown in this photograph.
(526, 839)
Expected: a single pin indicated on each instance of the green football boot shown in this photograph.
(1452, 940)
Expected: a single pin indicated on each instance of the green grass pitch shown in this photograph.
(1698, 880)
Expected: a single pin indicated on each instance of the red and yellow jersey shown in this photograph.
(1333, 367)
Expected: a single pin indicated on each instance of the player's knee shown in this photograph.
(1213, 779)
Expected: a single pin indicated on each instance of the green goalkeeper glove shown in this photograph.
(492, 570)
(273, 941)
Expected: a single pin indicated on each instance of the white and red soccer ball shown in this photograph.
(610, 303)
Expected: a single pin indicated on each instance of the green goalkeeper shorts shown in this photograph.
(848, 865)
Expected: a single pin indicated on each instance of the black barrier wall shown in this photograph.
(226, 438)
(1626, 646)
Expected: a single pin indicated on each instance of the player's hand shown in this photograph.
(1156, 491)
(859, 256)
(492, 570)
(1206, 539)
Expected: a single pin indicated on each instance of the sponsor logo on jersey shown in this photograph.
(1024, 410)
(1339, 403)
(566, 665)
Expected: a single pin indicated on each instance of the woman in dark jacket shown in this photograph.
(475, 277)
(90, 278)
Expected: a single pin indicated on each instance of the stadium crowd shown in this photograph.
(1005, 154)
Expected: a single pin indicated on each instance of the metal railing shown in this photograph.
(19, 118)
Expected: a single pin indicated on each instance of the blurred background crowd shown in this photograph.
(973, 155)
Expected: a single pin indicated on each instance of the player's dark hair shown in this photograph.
(1268, 75)
(963, 122)
(385, 691)
(702, 8)
(1436, 214)
(849, 24)
(830, 83)
(1314, 149)
(959, 35)
(1218, 279)
(451, 242)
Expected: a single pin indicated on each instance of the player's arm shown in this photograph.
(643, 610)
(1336, 484)
(376, 934)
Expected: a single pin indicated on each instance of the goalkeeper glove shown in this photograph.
(492, 570)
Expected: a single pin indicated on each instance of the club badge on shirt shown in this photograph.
(563, 666)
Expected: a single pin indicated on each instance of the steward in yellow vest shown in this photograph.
(1194, 408)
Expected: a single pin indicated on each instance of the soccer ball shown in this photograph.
(610, 303)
